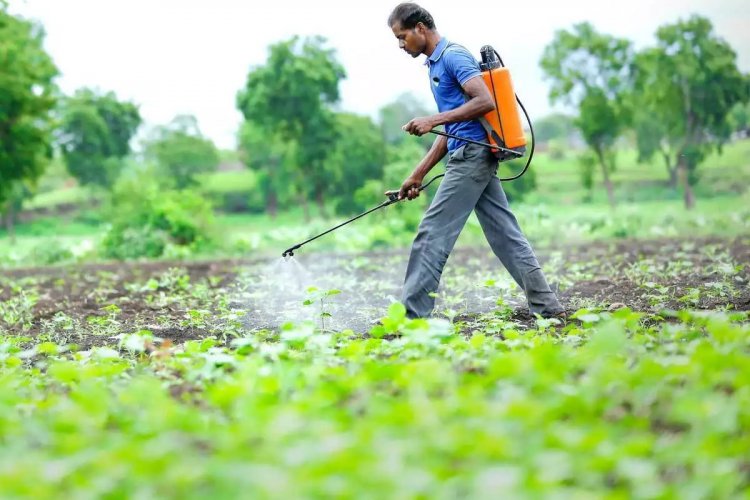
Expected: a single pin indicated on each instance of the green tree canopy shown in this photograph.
(554, 126)
(292, 95)
(274, 160)
(687, 86)
(95, 135)
(591, 71)
(27, 96)
(181, 152)
(358, 156)
(393, 116)
(740, 117)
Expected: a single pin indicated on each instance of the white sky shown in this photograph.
(190, 56)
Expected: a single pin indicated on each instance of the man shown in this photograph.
(470, 182)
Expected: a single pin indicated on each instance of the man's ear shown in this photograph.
(420, 27)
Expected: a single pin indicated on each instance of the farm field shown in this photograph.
(186, 311)
(271, 378)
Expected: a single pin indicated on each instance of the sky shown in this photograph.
(175, 57)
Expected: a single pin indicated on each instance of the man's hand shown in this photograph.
(419, 126)
(410, 187)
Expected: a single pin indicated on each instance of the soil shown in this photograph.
(605, 275)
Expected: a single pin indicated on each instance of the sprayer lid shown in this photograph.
(489, 58)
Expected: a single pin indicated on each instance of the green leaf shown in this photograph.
(396, 312)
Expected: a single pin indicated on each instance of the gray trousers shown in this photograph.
(470, 183)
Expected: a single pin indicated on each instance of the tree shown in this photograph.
(358, 156)
(399, 163)
(273, 159)
(181, 152)
(740, 119)
(95, 134)
(651, 139)
(688, 85)
(27, 96)
(292, 95)
(554, 126)
(591, 71)
(395, 115)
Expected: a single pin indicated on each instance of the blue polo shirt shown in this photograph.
(450, 66)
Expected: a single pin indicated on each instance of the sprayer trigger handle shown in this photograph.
(392, 194)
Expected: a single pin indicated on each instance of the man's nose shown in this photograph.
(401, 44)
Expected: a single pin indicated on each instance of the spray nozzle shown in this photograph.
(289, 252)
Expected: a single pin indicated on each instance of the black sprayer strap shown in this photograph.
(479, 143)
(392, 198)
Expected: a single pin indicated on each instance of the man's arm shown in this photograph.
(480, 103)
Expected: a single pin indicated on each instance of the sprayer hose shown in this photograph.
(531, 129)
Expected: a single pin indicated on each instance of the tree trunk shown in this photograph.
(671, 170)
(272, 204)
(607, 181)
(321, 202)
(684, 180)
(691, 136)
(673, 178)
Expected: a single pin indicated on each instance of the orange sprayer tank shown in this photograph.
(503, 124)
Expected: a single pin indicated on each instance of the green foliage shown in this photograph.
(517, 189)
(358, 156)
(149, 221)
(27, 95)
(273, 159)
(739, 118)
(400, 161)
(321, 299)
(94, 136)
(395, 115)
(51, 253)
(686, 87)
(554, 126)
(591, 71)
(181, 152)
(617, 407)
(290, 99)
(587, 168)
(233, 191)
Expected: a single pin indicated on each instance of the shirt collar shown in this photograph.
(438, 52)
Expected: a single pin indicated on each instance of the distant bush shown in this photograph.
(558, 149)
(149, 222)
(51, 253)
(517, 189)
(234, 191)
(238, 202)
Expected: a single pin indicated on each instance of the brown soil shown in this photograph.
(596, 273)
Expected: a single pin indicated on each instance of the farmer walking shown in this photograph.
(470, 182)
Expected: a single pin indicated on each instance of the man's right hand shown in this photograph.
(410, 188)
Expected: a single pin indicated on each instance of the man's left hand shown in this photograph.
(419, 126)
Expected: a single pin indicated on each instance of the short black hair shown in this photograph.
(409, 14)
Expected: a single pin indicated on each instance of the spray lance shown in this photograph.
(392, 198)
(505, 134)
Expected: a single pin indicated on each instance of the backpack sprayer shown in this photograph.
(505, 134)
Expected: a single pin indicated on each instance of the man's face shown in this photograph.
(412, 41)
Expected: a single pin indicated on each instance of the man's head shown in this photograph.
(413, 26)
